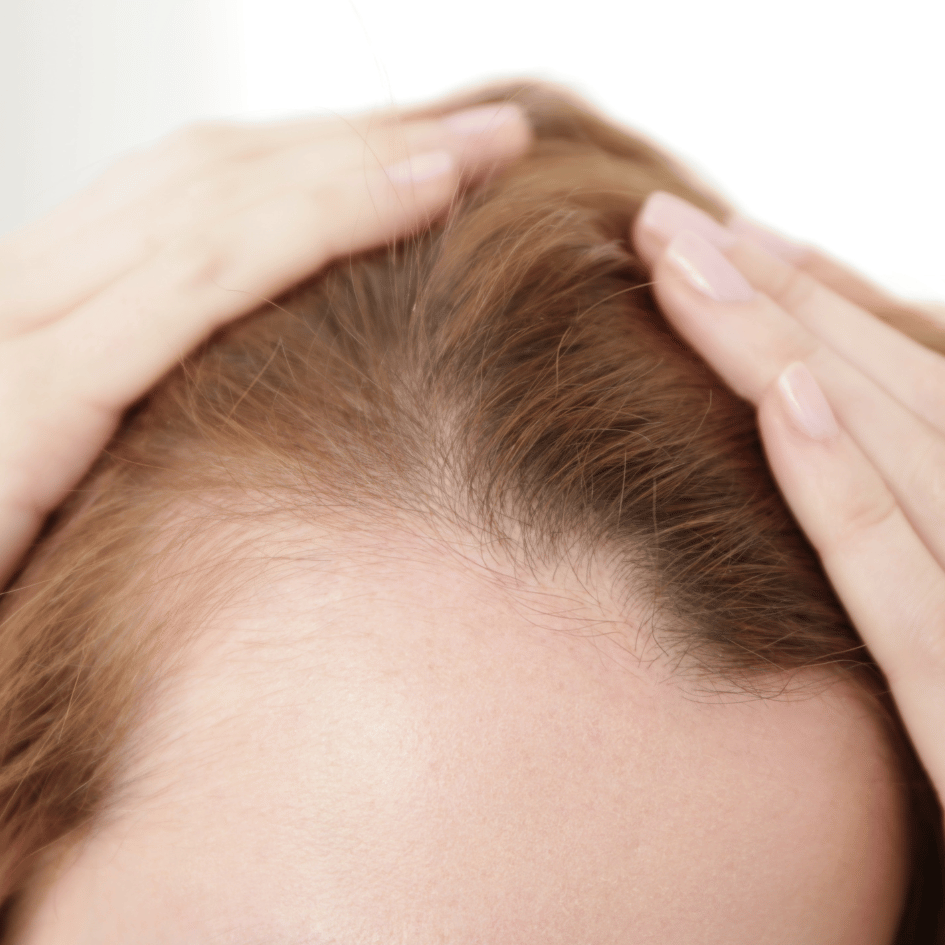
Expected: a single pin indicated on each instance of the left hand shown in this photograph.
(852, 417)
(101, 298)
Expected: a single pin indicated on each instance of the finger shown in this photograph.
(923, 322)
(907, 369)
(61, 259)
(828, 272)
(115, 347)
(89, 253)
(173, 161)
(889, 583)
(84, 261)
(526, 90)
(664, 215)
(912, 373)
(749, 339)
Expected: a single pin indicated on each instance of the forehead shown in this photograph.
(409, 755)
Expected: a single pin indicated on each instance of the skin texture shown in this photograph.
(396, 744)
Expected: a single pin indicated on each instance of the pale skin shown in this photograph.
(100, 299)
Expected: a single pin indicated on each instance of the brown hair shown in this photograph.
(507, 374)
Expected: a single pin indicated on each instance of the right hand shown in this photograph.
(852, 417)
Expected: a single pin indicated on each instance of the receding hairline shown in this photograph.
(240, 541)
(390, 578)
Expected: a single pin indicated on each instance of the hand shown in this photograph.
(852, 416)
(104, 296)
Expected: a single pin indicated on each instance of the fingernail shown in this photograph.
(768, 240)
(806, 404)
(420, 167)
(665, 215)
(707, 270)
(474, 121)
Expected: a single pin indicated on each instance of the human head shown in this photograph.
(497, 411)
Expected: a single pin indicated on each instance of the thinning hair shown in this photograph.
(505, 375)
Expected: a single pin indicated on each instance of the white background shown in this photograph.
(821, 117)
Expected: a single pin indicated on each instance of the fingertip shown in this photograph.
(664, 216)
(645, 240)
(411, 193)
(490, 135)
(520, 133)
(802, 436)
(706, 269)
(805, 404)
(495, 118)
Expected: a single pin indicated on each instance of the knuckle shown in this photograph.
(865, 516)
(202, 141)
(923, 637)
(793, 289)
(194, 264)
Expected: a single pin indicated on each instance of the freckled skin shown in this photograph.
(415, 757)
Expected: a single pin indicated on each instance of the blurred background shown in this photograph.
(823, 118)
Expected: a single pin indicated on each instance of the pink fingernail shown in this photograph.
(707, 270)
(474, 121)
(806, 404)
(665, 216)
(768, 240)
(420, 167)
